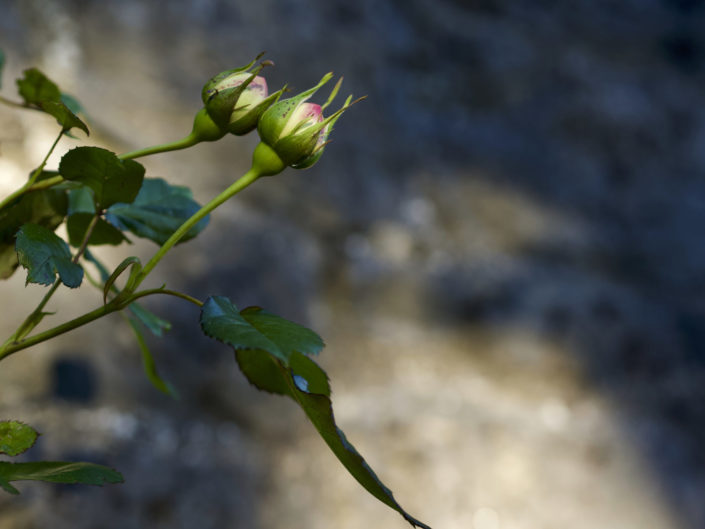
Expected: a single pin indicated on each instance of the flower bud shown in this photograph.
(297, 131)
(235, 99)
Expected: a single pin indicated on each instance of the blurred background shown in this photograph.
(502, 247)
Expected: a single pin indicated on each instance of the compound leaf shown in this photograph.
(112, 180)
(57, 472)
(16, 437)
(44, 255)
(159, 209)
(271, 352)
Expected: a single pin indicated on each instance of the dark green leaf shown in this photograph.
(46, 208)
(150, 366)
(290, 337)
(44, 255)
(58, 472)
(272, 355)
(254, 328)
(262, 370)
(111, 179)
(157, 212)
(64, 116)
(36, 88)
(16, 437)
(154, 323)
(103, 232)
(40, 92)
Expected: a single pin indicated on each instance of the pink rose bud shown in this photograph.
(295, 132)
(235, 99)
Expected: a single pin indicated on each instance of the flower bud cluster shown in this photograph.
(293, 132)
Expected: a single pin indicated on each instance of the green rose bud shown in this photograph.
(295, 132)
(235, 99)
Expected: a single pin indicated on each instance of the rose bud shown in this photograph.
(294, 132)
(235, 99)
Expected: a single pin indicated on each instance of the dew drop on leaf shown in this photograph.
(301, 383)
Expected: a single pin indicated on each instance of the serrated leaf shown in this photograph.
(285, 369)
(111, 179)
(150, 366)
(44, 255)
(64, 117)
(157, 212)
(46, 208)
(40, 92)
(16, 437)
(36, 88)
(254, 328)
(58, 472)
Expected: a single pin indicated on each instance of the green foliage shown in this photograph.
(255, 329)
(46, 208)
(16, 437)
(101, 196)
(56, 472)
(271, 352)
(2, 65)
(159, 209)
(81, 213)
(44, 255)
(112, 180)
(40, 92)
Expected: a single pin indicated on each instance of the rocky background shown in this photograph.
(502, 248)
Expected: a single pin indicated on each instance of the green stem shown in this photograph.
(45, 184)
(22, 190)
(93, 315)
(183, 143)
(240, 184)
(168, 292)
(15, 104)
(56, 331)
